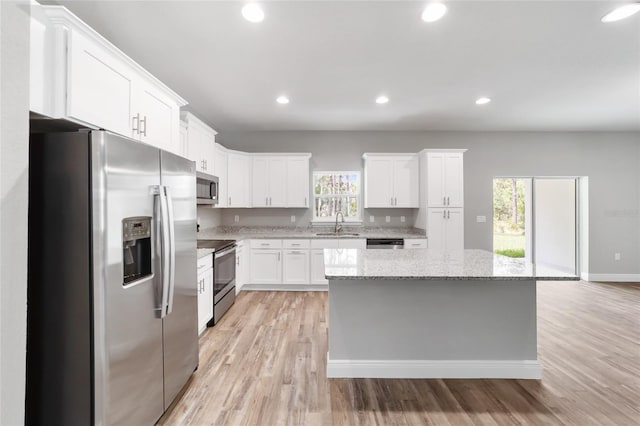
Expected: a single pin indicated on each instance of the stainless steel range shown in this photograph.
(224, 272)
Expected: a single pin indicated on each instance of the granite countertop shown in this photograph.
(429, 264)
(265, 232)
(204, 252)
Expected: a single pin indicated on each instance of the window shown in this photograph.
(335, 192)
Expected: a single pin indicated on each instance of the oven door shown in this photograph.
(224, 271)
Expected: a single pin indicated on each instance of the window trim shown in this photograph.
(319, 220)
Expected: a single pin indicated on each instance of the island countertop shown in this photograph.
(430, 264)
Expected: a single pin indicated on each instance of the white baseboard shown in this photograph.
(612, 277)
(434, 369)
(285, 287)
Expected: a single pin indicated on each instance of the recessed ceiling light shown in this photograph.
(382, 100)
(621, 12)
(252, 12)
(483, 101)
(282, 100)
(433, 12)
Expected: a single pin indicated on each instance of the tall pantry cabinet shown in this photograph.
(442, 198)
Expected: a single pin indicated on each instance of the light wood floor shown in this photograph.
(264, 364)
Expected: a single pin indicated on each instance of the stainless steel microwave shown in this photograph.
(207, 188)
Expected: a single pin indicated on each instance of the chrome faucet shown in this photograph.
(339, 227)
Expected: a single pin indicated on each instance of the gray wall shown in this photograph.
(14, 144)
(611, 160)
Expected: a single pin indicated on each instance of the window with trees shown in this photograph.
(335, 192)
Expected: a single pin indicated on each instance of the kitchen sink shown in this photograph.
(339, 234)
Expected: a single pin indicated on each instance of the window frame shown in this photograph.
(331, 219)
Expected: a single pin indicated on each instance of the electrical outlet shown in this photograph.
(402, 219)
(387, 219)
(293, 218)
(616, 256)
(372, 219)
(481, 219)
(236, 218)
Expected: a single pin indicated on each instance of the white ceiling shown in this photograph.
(548, 65)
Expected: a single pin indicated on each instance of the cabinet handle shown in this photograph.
(391, 200)
(237, 261)
(444, 201)
(395, 200)
(266, 201)
(444, 214)
(448, 201)
(305, 201)
(143, 121)
(296, 252)
(135, 125)
(278, 256)
(448, 214)
(229, 200)
(270, 201)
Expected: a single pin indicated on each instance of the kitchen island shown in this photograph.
(432, 314)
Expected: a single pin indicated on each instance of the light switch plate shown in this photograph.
(402, 219)
(481, 219)
(236, 218)
(293, 218)
(371, 219)
(617, 256)
(388, 219)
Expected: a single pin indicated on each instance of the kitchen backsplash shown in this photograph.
(212, 217)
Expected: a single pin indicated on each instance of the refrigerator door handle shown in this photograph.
(164, 247)
(172, 250)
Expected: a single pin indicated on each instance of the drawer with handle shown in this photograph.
(205, 263)
(296, 244)
(415, 243)
(266, 244)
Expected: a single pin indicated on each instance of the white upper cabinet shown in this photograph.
(280, 180)
(220, 170)
(277, 177)
(445, 179)
(391, 181)
(80, 76)
(298, 181)
(201, 140)
(239, 179)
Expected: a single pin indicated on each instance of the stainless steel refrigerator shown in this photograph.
(112, 298)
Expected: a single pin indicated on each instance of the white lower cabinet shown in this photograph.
(446, 228)
(292, 264)
(205, 291)
(295, 269)
(317, 267)
(414, 243)
(242, 266)
(266, 266)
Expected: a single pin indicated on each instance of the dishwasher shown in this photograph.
(385, 243)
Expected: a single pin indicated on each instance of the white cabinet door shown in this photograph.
(239, 173)
(266, 266)
(295, 267)
(200, 143)
(453, 180)
(156, 118)
(435, 179)
(298, 182)
(317, 267)
(455, 229)
(378, 182)
(278, 182)
(99, 87)
(260, 182)
(436, 232)
(406, 190)
(241, 270)
(220, 170)
(184, 140)
(205, 298)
